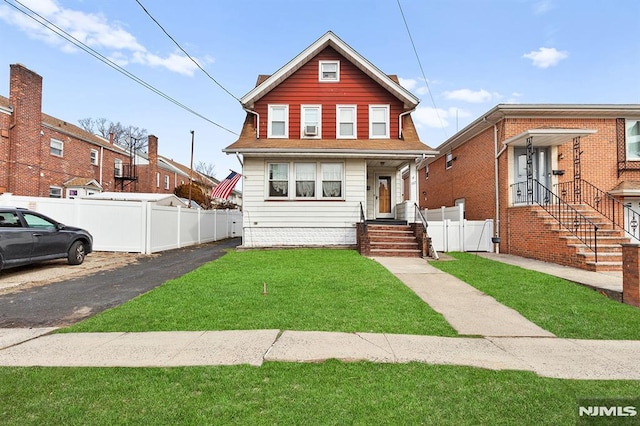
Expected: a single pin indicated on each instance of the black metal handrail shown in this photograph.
(418, 214)
(566, 215)
(363, 218)
(620, 214)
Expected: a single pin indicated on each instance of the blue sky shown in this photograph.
(474, 53)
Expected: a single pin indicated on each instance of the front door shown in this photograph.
(540, 169)
(383, 197)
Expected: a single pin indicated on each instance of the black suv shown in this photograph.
(28, 237)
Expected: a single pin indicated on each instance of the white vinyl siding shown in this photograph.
(379, 122)
(278, 124)
(333, 219)
(346, 121)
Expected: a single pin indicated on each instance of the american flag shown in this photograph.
(224, 188)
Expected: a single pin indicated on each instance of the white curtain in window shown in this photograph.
(305, 179)
(332, 180)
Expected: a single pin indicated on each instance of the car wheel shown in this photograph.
(77, 253)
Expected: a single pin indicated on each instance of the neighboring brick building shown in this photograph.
(44, 156)
(515, 160)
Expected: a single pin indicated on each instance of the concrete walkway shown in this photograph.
(509, 342)
(547, 357)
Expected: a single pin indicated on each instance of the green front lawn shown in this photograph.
(564, 308)
(307, 289)
(281, 393)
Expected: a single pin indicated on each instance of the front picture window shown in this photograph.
(305, 180)
(279, 180)
(332, 180)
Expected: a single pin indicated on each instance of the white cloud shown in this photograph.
(92, 29)
(543, 6)
(437, 118)
(468, 95)
(546, 57)
(408, 83)
(514, 98)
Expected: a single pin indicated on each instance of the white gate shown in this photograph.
(449, 231)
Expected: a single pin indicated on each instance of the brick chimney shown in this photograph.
(26, 141)
(152, 151)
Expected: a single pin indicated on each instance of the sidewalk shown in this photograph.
(509, 341)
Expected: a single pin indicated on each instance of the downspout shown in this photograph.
(101, 162)
(400, 121)
(497, 186)
(257, 120)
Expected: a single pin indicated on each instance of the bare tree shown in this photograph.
(207, 169)
(128, 137)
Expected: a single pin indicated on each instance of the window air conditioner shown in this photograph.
(311, 130)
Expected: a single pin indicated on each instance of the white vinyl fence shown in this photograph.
(135, 226)
(449, 231)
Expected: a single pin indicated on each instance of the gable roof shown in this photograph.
(266, 84)
(185, 171)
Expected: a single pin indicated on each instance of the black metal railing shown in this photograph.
(363, 218)
(620, 214)
(418, 215)
(126, 172)
(533, 192)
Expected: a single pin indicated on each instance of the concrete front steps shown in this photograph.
(609, 240)
(393, 240)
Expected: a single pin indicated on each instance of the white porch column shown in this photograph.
(413, 182)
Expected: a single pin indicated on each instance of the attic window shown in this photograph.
(329, 70)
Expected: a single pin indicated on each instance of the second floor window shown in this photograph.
(278, 126)
(346, 123)
(94, 157)
(632, 136)
(117, 166)
(166, 181)
(311, 120)
(56, 147)
(378, 121)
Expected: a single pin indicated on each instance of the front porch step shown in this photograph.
(395, 253)
(396, 240)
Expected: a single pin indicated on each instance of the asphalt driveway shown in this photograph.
(66, 302)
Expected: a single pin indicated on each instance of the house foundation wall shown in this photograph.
(299, 237)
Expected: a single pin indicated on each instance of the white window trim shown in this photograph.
(268, 181)
(95, 160)
(157, 179)
(302, 122)
(448, 160)
(118, 168)
(627, 138)
(388, 120)
(291, 182)
(57, 188)
(329, 80)
(270, 134)
(355, 121)
(166, 181)
(51, 142)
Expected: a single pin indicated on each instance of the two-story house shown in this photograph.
(324, 145)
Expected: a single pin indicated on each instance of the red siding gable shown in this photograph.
(354, 88)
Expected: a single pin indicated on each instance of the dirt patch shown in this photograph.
(17, 279)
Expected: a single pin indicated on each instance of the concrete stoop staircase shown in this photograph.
(393, 240)
(609, 240)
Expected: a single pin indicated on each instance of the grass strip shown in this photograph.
(281, 393)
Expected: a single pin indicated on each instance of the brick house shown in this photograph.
(561, 182)
(45, 156)
(324, 145)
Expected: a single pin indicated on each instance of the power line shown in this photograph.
(185, 52)
(62, 33)
(422, 70)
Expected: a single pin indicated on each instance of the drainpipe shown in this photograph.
(101, 160)
(400, 121)
(497, 187)
(257, 120)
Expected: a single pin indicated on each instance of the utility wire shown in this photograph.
(62, 33)
(185, 52)
(422, 70)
